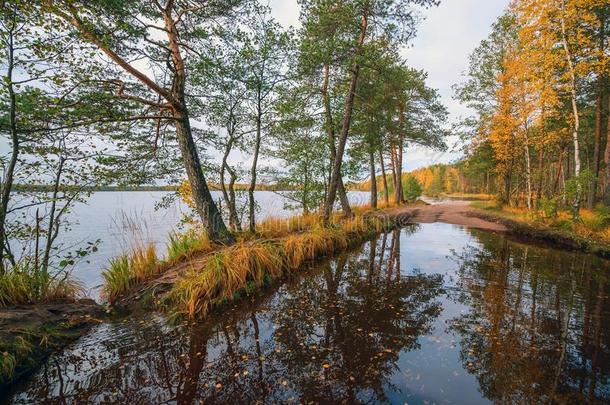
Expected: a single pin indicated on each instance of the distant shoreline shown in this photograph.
(213, 187)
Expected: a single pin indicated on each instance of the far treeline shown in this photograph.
(539, 87)
(98, 93)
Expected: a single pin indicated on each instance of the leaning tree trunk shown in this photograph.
(330, 129)
(347, 120)
(204, 203)
(373, 177)
(386, 194)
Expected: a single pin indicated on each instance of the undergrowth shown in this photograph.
(24, 284)
(279, 244)
(248, 264)
(592, 224)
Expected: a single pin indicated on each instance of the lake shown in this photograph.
(430, 313)
(122, 219)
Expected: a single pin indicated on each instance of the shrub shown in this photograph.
(412, 189)
(549, 207)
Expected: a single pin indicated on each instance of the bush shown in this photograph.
(412, 189)
(602, 214)
(549, 207)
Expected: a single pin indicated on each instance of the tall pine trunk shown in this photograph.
(599, 113)
(607, 162)
(373, 177)
(347, 120)
(386, 194)
(398, 192)
(330, 130)
(393, 167)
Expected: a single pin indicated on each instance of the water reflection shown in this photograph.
(431, 313)
(537, 330)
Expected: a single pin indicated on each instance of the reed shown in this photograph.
(24, 284)
(183, 246)
(128, 270)
(248, 264)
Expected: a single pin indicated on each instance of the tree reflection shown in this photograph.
(535, 330)
(334, 335)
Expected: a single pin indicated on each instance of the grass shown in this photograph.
(592, 225)
(129, 270)
(279, 245)
(23, 284)
(183, 246)
(238, 268)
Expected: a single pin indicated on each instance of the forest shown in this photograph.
(222, 110)
(540, 135)
(103, 93)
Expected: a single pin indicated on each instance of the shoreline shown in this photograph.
(59, 324)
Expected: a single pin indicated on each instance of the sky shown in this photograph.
(445, 38)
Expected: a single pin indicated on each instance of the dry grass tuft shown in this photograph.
(224, 274)
(128, 270)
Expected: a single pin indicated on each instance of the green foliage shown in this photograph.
(26, 284)
(117, 278)
(412, 189)
(602, 213)
(185, 245)
(549, 207)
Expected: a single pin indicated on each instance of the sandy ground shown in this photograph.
(451, 212)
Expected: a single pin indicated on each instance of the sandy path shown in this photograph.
(452, 212)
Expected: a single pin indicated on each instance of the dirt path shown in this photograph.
(453, 212)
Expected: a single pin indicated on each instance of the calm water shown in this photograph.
(120, 219)
(428, 314)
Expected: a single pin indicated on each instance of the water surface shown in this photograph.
(432, 313)
(123, 219)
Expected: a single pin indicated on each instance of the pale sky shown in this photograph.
(445, 38)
